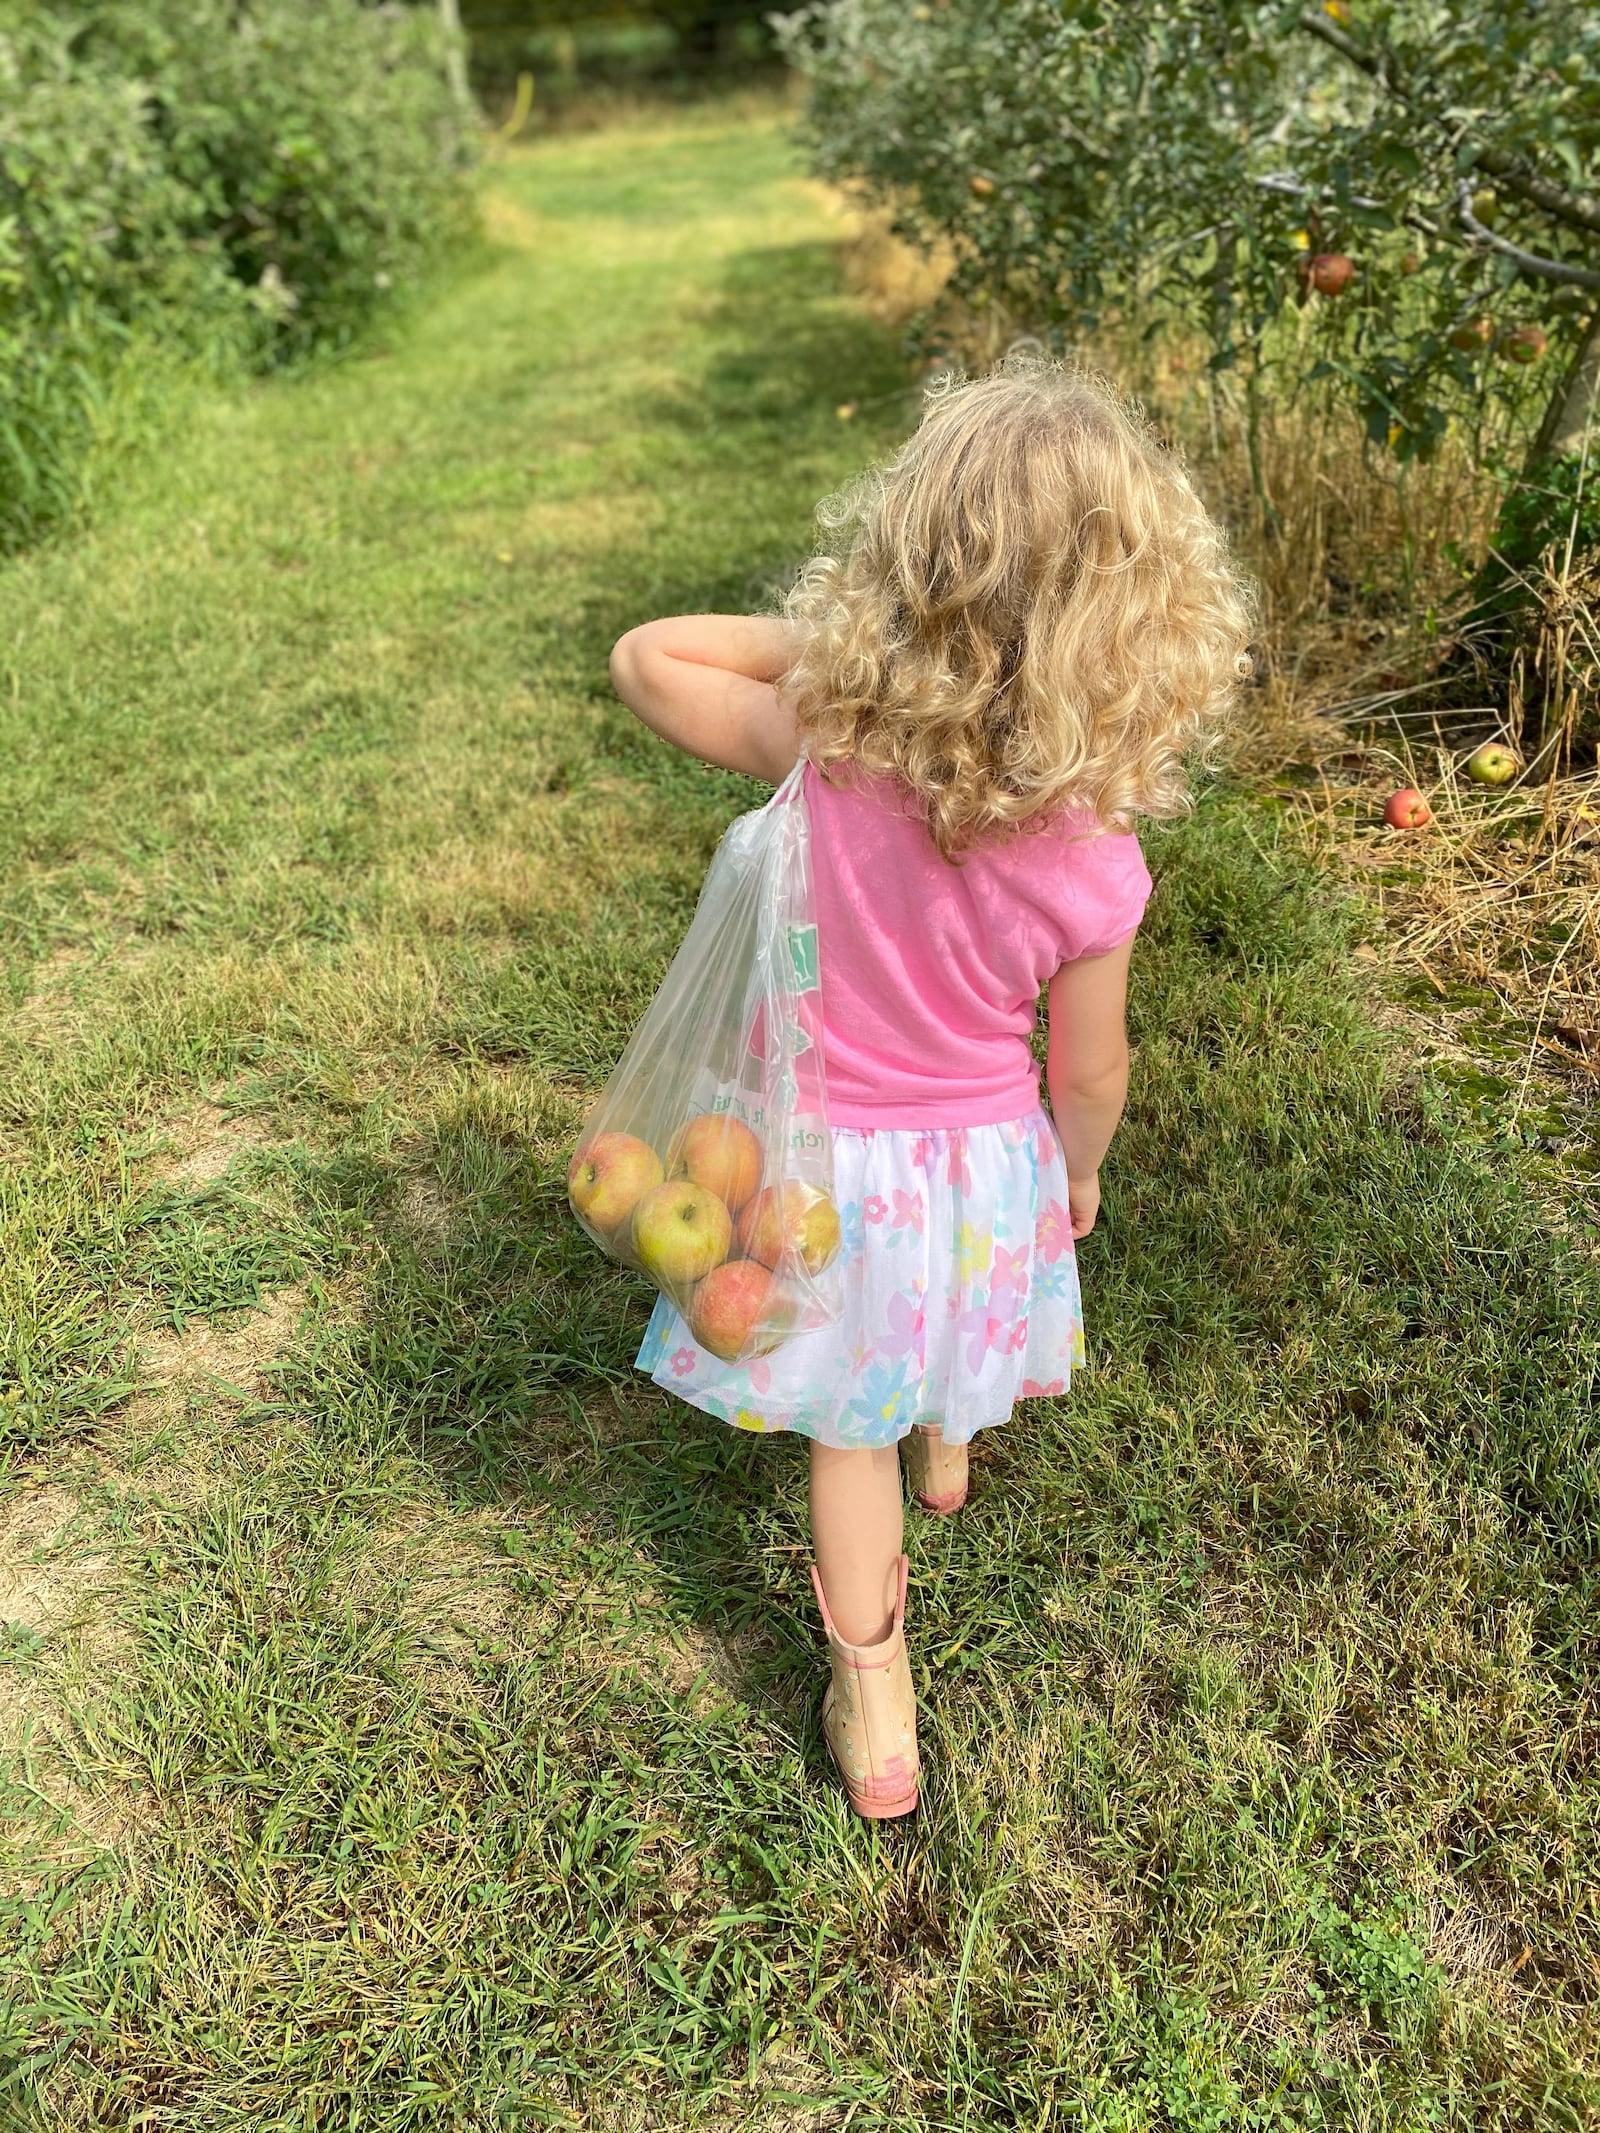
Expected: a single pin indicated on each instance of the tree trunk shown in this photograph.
(1519, 635)
(455, 55)
(707, 36)
(1573, 403)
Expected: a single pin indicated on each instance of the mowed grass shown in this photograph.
(409, 1713)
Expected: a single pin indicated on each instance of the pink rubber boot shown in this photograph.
(869, 1713)
(936, 1471)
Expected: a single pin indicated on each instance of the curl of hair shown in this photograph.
(1029, 610)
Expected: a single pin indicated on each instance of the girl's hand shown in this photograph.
(1083, 1203)
(708, 684)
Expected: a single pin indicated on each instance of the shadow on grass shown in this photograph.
(1291, 1248)
(1278, 1399)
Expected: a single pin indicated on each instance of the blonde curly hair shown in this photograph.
(1030, 610)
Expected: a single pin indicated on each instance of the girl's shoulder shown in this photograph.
(1090, 881)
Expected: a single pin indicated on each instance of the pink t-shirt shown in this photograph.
(931, 973)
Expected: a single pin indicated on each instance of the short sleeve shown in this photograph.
(1105, 886)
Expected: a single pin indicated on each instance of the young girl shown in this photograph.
(1031, 623)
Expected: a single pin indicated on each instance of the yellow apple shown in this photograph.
(797, 1222)
(1492, 765)
(680, 1232)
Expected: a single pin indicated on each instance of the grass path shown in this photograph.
(412, 1713)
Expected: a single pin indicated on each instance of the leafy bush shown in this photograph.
(202, 178)
(1383, 194)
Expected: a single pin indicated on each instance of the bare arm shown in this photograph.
(707, 684)
(1088, 1070)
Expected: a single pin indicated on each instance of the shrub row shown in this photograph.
(239, 181)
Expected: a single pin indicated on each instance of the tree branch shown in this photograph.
(1484, 239)
(1413, 218)
(1581, 213)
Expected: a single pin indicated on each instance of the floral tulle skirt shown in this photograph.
(960, 1295)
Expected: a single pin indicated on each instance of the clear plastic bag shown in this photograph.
(707, 1162)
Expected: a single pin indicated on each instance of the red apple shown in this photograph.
(1492, 764)
(730, 1306)
(608, 1177)
(1331, 273)
(1411, 263)
(1407, 810)
(799, 1223)
(980, 186)
(722, 1154)
(680, 1232)
(1525, 344)
(1472, 334)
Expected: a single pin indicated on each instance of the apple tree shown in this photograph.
(1422, 175)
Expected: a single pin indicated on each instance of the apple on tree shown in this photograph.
(1331, 273)
(1525, 344)
(1472, 334)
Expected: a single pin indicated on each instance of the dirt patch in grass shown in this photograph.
(44, 1582)
(688, 1659)
(59, 1636)
(54, 1012)
(426, 1211)
(451, 1579)
(229, 1357)
(171, 1434)
(50, 1015)
(197, 1147)
(507, 221)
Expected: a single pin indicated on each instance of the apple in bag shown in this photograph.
(793, 1219)
(608, 1177)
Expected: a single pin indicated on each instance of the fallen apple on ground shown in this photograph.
(731, 1303)
(680, 1232)
(720, 1153)
(1407, 809)
(1492, 764)
(608, 1178)
(794, 1219)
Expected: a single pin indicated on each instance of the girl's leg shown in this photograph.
(857, 1534)
(869, 1709)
